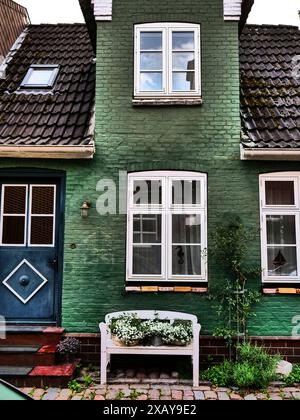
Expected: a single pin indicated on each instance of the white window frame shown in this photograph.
(166, 210)
(13, 215)
(282, 210)
(36, 67)
(30, 215)
(167, 28)
(27, 215)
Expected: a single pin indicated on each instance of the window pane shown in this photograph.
(147, 228)
(151, 41)
(40, 77)
(183, 81)
(186, 260)
(183, 41)
(183, 61)
(151, 61)
(186, 229)
(186, 192)
(280, 193)
(42, 200)
(13, 230)
(281, 230)
(147, 259)
(282, 261)
(151, 82)
(14, 200)
(41, 231)
(147, 192)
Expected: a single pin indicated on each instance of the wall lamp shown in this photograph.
(84, 209)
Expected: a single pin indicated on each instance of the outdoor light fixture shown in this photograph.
(84, 209)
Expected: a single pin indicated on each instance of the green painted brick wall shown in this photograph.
(202, 138)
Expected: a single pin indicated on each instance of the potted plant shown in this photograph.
(126, 330)
(68, 348)
(179, 333)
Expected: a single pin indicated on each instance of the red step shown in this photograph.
(31, 336)
(40, 376)
(27, 355)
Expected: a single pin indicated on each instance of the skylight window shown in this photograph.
(40, 76)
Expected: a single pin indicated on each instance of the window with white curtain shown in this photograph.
(166, 230)
(167, 59)
(280, 212)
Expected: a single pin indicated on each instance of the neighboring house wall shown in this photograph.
(13, 19)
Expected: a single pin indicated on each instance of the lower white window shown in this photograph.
(166, 229)
(280, 213)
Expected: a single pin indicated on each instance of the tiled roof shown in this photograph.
(61, 116)
(270, 92)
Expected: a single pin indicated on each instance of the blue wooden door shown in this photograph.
(30, 220)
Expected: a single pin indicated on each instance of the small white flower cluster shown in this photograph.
(177, 334)
(127, 332)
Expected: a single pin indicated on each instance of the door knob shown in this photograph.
(24, 281)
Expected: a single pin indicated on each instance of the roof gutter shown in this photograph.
(48, 152)
(270, 154)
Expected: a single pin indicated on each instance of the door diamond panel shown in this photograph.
(25, 281)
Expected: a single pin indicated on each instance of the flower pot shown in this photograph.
(156, 341)
(120, 343)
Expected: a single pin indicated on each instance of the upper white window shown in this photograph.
(40, 76)
(167, 59)
(280, 213)
(166, 231)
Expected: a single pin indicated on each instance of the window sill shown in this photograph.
(161, 289)
(167, 101)
(280, 291)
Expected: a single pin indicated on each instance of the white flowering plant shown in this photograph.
(127, 328)
(179, 333)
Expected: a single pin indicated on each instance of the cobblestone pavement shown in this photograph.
(162, 392)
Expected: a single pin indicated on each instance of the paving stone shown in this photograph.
(199, 395)
(202, 388)
(286, 395)
(210, 395)
(165, 390)
(52, 394)
(154, 375)
(223, 396)
(235, 397)
(276, 397)
(296, 395)
(176, 395)
(250, 397)
(142, 397)
(188, 395)
(78, 398)
(154, 394)
(164, 375)
(130, 373)
(175, 375)
(222, 389)
(64, 394)
(38, 393)
(261, 396)
(165, 398)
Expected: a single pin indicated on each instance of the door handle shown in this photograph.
(54, 263)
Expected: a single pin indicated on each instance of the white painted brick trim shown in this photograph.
(232, 9)
(102, 10)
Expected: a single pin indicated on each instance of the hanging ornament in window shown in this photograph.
(279, 260)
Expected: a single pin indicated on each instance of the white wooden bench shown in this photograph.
(108, 347)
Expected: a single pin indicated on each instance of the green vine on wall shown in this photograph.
(232, 300)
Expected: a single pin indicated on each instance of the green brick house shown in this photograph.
(170, 116)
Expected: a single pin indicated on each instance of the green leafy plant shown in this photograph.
(255, 369)
(231, 300)
(74, 386)
(87, 380)
(294, 376)
(134, 394)
(120, 395)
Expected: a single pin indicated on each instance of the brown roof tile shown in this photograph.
(62, 115)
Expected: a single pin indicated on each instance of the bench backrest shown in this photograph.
(163, 315)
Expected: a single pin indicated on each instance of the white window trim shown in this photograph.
(266, 210)
(166, 28)
(166, 210)
(27, 215)
(30, 215)
(13, 215)
(54, 68)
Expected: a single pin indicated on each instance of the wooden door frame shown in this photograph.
(60, 177)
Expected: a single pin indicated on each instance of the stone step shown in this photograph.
(39, 376)
(27, 355)
(32, 335)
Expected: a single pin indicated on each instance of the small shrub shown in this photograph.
(69, 345)
(294, 376)
(88, 380)
(255, 369)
